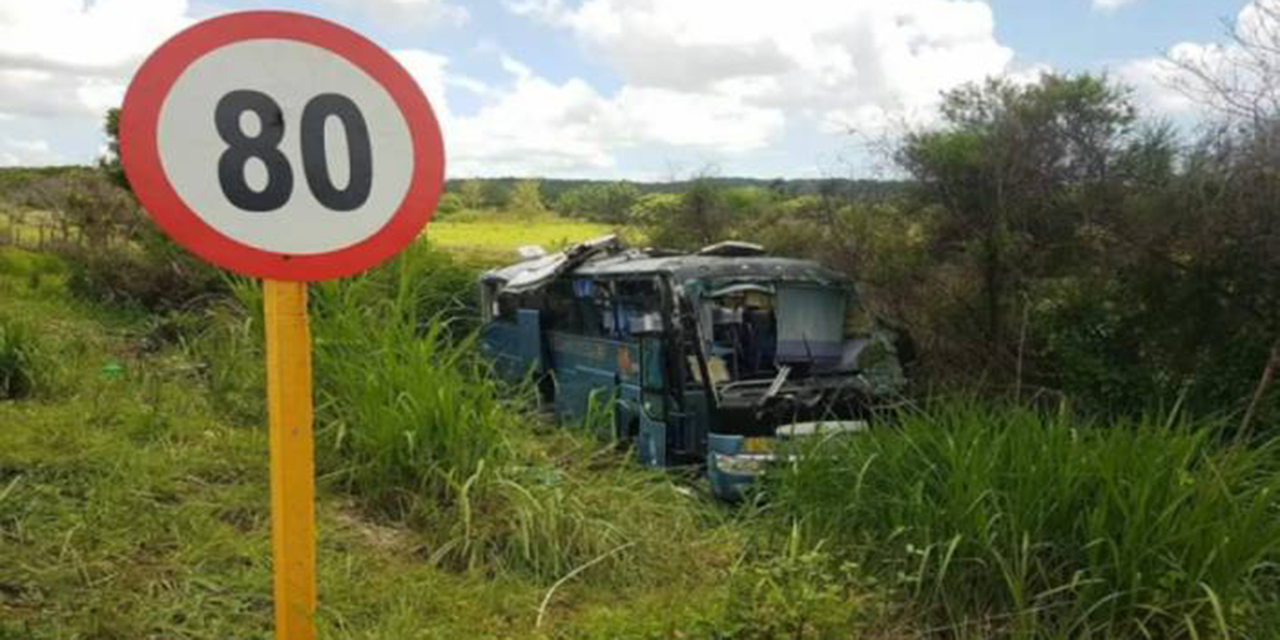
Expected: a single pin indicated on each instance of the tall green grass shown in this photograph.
(407, 408)
(21, 360)
(413, 423)
(1004, 521)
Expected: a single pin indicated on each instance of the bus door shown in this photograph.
(655, 406)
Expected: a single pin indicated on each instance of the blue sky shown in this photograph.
(637, 89)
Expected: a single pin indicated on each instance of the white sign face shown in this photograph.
(284, 146)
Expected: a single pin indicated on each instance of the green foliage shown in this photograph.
(1047, 526)
(1015, 168)
(609, 202)
(412, 423)
(471, 192)
(798, 593)
(110, 163)
(495, 195)
(702, 215)
(526, 200)
(407, 411)
(449, 204)
(30, 265)
(134, 508)
(90, 212)
(21, 360)
(150, 273)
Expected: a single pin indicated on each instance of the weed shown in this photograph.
(801, 592)
(133, 507)
(21, 360)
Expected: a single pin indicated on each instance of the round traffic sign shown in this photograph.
(280, 145)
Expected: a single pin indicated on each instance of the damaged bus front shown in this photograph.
(712, 357)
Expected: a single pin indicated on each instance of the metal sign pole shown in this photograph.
(289, 402)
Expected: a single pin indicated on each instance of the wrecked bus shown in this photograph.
(706, 358)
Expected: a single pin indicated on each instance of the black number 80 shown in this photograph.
(265, 146)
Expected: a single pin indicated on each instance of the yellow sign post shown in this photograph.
(216, 96)
(289, 403)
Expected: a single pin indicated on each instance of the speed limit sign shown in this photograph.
(282, 146)
(286, 147)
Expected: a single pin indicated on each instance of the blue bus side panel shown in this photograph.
(627, 412)
(584, 366)
(500, 343)
(514, 347)
(529, 332)
(697, 422)
(652, 445)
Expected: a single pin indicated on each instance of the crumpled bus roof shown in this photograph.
(606, 257)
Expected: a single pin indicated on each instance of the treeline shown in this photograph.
(1053, 242)
(613, 201)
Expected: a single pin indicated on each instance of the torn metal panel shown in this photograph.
(533, 274)
(732, 249)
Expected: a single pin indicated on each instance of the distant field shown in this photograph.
(494, 240)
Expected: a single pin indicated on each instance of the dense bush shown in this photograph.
(1006, 521)
(150, 272)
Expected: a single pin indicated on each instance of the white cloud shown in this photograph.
(14, 153)
(102, 37)
(68, 61)
(720, 121)
(409, 13)
(428, 69)
(1162, 84)
(1111, 5)
(856, 62)
(532, 125)
(1155, 84)
(61, 58)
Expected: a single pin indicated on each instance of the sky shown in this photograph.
(635, 89)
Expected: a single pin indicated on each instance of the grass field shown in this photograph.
(494, 238)
(134, 497)
(134, 505)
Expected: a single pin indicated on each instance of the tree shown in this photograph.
(1017, 169)
(1240, 81)
(89, 202)
(699, 217)
(110, 162)
(609, 202)
(449, 204)
(526, 200)
(1240, 85)
(497, 193)
(471, 193)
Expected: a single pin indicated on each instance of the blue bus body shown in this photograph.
(706, 358)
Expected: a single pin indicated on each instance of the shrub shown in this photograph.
(1043, 526)
(150, 272)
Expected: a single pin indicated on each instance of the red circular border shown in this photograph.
(140, 116)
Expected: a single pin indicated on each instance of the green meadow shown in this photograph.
(491, 238)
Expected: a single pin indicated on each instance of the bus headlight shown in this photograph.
(742, 465)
